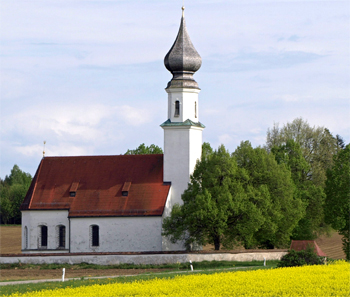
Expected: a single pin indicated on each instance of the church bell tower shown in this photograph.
(182, 130)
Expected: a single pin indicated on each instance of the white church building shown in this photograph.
(117, 203)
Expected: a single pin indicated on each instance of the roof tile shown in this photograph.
(299, 245)
(101, 180)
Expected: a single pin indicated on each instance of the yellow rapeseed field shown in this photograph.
(321, 280)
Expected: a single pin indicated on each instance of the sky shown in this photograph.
(88, 76)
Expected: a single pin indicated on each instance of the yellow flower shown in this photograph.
(321, 280)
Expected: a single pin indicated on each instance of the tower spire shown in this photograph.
(183, 60)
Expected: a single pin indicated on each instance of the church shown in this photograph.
(117, 203)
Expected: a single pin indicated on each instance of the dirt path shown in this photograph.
(30, 274)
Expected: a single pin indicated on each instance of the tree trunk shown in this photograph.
(217, 242)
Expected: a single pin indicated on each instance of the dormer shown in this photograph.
(126, 188)
(73, 189)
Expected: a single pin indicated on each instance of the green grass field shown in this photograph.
(204, 267)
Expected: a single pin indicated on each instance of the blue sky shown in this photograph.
(88, 77)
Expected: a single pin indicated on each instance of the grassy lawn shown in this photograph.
(181, 266)
(177, 269)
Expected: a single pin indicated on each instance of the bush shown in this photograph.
(300, 258)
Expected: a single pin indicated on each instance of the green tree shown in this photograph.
(208, 201)
(318, 146)
(18, 176)
(13, 190)
(273, 182)
(142, 149)
(337, 206)
(16, 196)
(233, 199)
(312, 196)
(6, 208)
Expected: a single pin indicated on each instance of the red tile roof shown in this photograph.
(98, 183)
(299, 245)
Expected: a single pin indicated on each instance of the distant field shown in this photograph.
(332, 246)
(10, 243)
(10, 239)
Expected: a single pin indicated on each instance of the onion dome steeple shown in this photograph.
(183, 60)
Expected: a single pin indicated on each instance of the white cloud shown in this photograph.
(290, 98)
(225, 138)
(88, 76)
(29, 150)
(134, 116)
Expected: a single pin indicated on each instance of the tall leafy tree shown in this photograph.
(317, 144)
(233, 199)
(312, 196)
(142, 149)
(208, 202)
(337, 206)
(267, 177)
(12, 192)
(6, 207)
(17, 176)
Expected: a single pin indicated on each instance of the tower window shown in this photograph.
(177, 108)
(95, 236)
(195, 109)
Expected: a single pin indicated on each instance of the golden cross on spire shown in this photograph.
(44, 149)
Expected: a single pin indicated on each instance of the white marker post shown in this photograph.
(191, 265)
(63, 273)
(264, 261)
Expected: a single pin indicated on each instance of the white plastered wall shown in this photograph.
(182, 149)
(33, 219)
(117, 234)
(188, 99)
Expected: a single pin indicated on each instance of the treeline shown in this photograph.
(296, 186)
(12, 192)
(265, 196)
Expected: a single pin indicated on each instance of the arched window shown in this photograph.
(61, 236)
(43, 235)
(25, 237)
(95, 235)
(177, 108)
